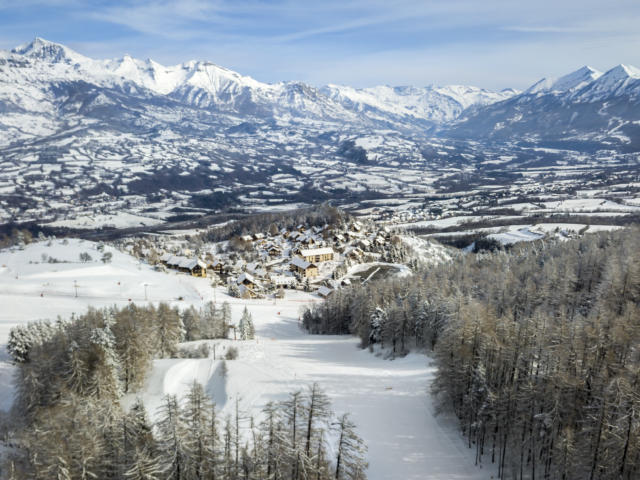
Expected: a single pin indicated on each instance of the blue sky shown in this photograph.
(489, 43)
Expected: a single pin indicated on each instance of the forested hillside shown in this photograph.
(69, 422)
(537, 350)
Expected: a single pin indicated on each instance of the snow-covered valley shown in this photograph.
(128, 143)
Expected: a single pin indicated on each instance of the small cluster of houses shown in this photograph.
(298, 258)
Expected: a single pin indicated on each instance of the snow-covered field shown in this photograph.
(389, 399)
(117, 220)
(511, 234)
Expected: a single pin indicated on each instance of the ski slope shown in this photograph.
(388, 399)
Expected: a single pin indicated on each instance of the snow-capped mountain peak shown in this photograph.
(620, 80)
(41, 49)
(576, 80)
(622, 72)
(573, 81)
(212, 77)
(434, 104)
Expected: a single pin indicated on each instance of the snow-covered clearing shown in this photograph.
(116, 220)
(515, 236)
(372, 268)
(510, 234)
(389, 399)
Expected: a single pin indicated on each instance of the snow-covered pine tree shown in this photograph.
(293, 413)
(246, 328)
(169, 330)
(209, 320)
(350, 451)
(105, 381)
(213, 444)
(139, 428)
(226, 319)
(195, 415)
(191, 323)
(134, 344)
(378, 321)
(23, 337)
(229, 466)
(172, 446)
(251, 329)
(144, 467)
(271, 432)
(317, 412)
(77, 372)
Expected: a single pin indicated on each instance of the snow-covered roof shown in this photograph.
(174, 260)
(191, 263)
(253, 266)
(300, 263)
(324, 291)
(283, 279)
(246, 276)
(316, 251)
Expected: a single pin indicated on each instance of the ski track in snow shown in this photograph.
(388, 399)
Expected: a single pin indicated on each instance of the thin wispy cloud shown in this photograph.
(171, 19)
(362, 42)
(545, 29)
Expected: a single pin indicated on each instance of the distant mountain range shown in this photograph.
(585, 104)
(73, 128)
(28, 73)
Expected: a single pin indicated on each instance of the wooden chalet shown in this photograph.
(248, 280)
(218, 266)
(303, 268)
(248, 292)
(193, 266)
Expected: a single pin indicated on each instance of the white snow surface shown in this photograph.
(574, 80)
(115, 220)
(427, 103)
(389, 399)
